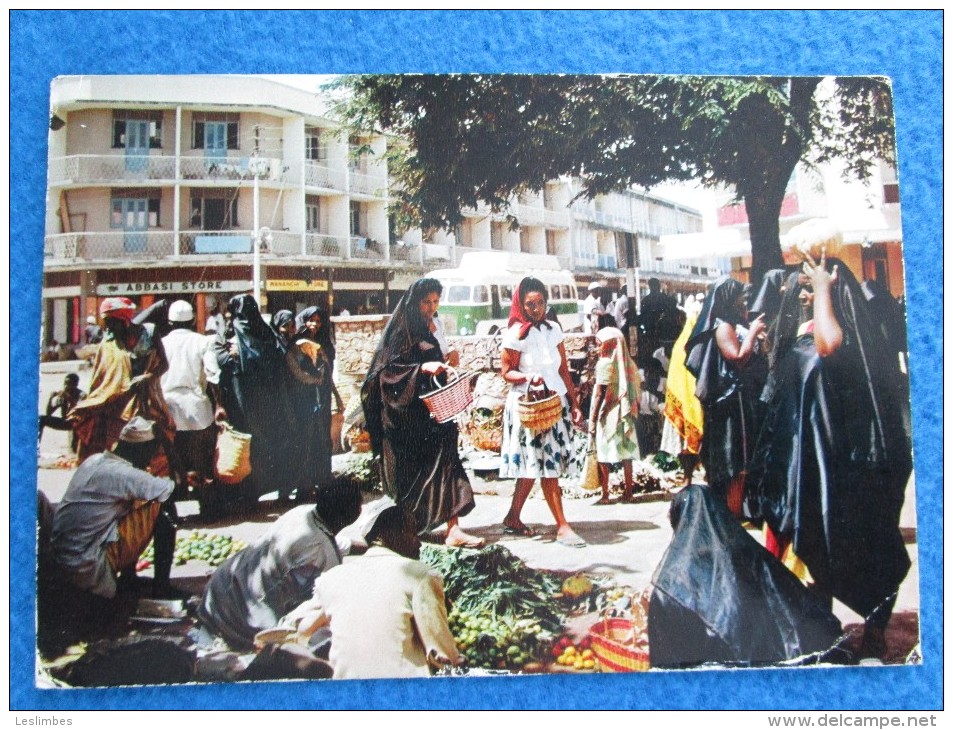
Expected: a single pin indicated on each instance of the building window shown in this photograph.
(891, 193)
(357, 157)
(312, 212)
(134, 208)
(210, 129)
(213, 209)
(137, 128)
(316, 148)
(358, 219)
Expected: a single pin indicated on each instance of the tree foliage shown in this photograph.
(470, 139)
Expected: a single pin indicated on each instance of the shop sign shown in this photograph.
(136, 288)
(296, 285)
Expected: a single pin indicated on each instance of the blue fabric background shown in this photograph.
(905, 46)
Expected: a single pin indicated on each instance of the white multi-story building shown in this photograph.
(165, 186)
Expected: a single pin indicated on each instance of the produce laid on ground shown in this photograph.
(210, 547)
(509, 617)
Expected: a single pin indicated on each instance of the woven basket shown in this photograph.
(615, 647)
(446, 402)
(232, 455)
(539, 413)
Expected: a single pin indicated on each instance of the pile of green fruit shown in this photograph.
(214, 549)
(500, 642)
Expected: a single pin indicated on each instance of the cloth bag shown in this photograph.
(590, 470)
(232, 455)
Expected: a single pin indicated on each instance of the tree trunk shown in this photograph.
(777, 146)
(764, 208)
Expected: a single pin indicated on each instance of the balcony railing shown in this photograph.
(109, 245)
(530, 215)
(367, 248)
(319, 176)
(557, 218)
(119, 168)
(436, 253)
(285, 243)
(322, 244)
(80, 169)
(410, 252)
(233, 168)
(364, 184)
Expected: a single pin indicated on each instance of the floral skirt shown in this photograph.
(534, 454)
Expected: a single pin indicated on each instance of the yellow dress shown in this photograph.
(682, 408)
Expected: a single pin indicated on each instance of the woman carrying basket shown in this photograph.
(533, 356)
(420, 465)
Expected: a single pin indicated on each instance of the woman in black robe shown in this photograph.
(420, 465)
(253, 395)
(719, 597)
(833, 458)
(310, 361)
(717, 353)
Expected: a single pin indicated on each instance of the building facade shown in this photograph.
(200, 187)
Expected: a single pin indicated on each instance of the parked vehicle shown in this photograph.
(477, 294)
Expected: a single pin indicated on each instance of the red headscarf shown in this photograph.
(117, 308)
(518, 314)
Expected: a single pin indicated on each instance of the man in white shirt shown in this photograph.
(386, 609)
(189, 390)
(621, 309)
(591, 303)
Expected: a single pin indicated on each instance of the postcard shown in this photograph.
(428, 376)
(334, 238)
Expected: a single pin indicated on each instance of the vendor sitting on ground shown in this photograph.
(112, 508)
(250, 591)
(386, 609)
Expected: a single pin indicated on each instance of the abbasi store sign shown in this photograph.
(135, 288)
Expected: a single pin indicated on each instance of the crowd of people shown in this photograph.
(788, 394)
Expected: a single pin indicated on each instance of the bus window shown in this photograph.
(567, 292)
(458, 294)
(506, 293)
(481, 295)
(554, 292)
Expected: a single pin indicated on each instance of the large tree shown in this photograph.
(467, 139)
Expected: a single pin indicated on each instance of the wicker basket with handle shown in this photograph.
(619, 643)
(447, 401)
(539, 409)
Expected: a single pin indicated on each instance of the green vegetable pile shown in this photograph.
(502, 612)
(214, 549)
(665, 461)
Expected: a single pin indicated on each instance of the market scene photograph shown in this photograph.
(411, 376)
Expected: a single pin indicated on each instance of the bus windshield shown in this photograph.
(458, 294)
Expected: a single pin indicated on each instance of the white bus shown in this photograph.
(477, 294)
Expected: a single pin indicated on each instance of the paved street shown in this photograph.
(624, 540)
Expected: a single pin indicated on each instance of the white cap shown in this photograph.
(595, 285)
(181, 311)
(371, 512)
(137, 431)
(90, 320)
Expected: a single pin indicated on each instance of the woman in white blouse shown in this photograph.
(533, 355)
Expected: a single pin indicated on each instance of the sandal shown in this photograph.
(522, 530)
(573, 541)
(471, 541)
